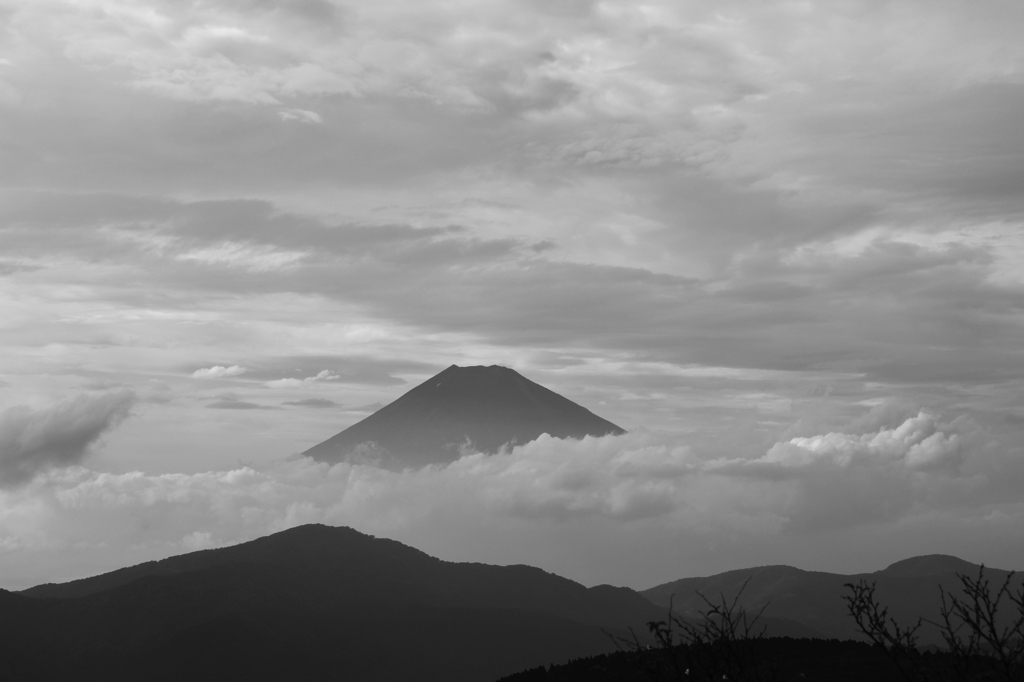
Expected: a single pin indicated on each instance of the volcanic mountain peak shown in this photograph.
(484, 407)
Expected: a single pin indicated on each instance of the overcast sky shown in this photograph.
(781, 242)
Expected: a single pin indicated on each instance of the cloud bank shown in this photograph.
(34, 440)
(517, 505)
(918, 443)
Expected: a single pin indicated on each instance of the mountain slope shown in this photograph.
(910, 588)
(312, 602)
(316, 564)
(486, 406)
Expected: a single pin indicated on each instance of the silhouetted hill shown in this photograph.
(324, 603)
(313, 602)
(928, 565)
(910, 588)
(324, 563)
(486, 406)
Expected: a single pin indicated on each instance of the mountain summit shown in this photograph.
(485, 407)
(309, 603)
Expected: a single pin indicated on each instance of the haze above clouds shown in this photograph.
(781, 242)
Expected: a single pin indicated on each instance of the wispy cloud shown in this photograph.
(34, 440)
(218, 372)
(230, 402)
(311, 402)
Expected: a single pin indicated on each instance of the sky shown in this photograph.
(780, 242)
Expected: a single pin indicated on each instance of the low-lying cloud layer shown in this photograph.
(512, 507)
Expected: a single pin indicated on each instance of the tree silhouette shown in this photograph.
(722, 643)
(983, 641)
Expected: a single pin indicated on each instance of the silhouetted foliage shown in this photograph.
(983, 641)
(799, 660)
(982, 627)
(722, 643)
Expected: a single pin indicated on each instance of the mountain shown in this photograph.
(929, 565)
(312, 603)
(324, 603)
(487, 407)
(814, 600)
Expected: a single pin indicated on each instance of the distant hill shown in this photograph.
(314, 602)
(910, 588)
(487, 407)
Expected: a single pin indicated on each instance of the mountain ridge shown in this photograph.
(325, 602)
(311, 602)
(909, 587)
(353, 564)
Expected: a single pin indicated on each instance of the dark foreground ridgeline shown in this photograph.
(310, 603)
(485, 406)
(323, 603)
(784, 659)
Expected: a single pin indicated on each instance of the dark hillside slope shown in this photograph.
(910, 588)
(312, 602)
(316, 564)
(166, 629)
(487, 406)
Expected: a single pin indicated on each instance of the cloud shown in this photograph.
(196, 541)
(312, 402)
(11, 267)
(810, 306)
(841, 479)
(300, 115)
(343, 369)
(243, 256)
(620, 480)
(372, 407)
(228, 402)
(597, 491)
(918, 443)
(34, 440)
(322, 375)
(813, 211)
(218, 372)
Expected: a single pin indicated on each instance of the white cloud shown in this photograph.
(322, 375)
(918, 443)
(300, 115)
(218, 372)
